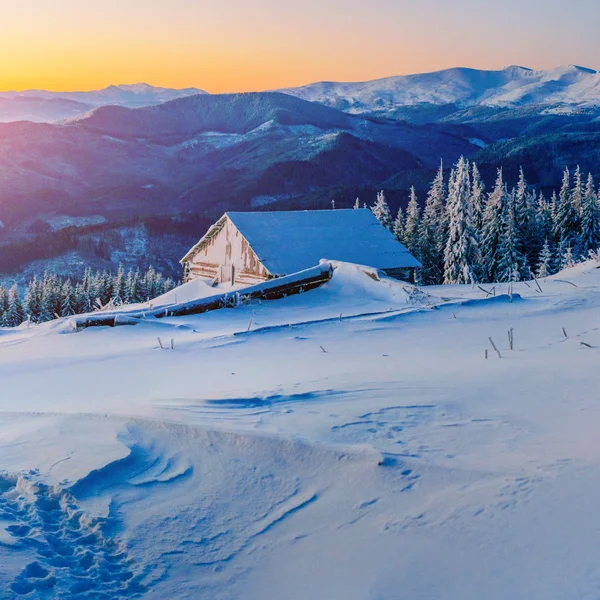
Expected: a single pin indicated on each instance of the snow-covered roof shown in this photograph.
(288, 241)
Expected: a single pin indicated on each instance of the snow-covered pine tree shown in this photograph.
(433, 232)
(589, 238)
(566, 221)
(398, 228)
(577, 191)
(477, 199)
(546, 261)
(154, 283)
(411, 226)
(81, 299)
(382, 211)
(33, 300)
(510, 259)
(554, 213)
(15, 314)
(529, 244)
(118, 287)
(168, 285)
(49, 299)
(67, 300)
(492, 230)
(106, 285)
(140, 290)
(567, 258)
(461, 256)
(3, 304)
(543, 217)
(357, 204)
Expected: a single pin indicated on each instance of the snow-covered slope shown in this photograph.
(349, 443)
(513, 86)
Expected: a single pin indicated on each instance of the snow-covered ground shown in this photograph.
(351, 442)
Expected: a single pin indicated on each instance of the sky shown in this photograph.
(243, 45)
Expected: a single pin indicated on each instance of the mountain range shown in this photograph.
(49, 107)
(119, 175)
(514, 86)
(565, 88)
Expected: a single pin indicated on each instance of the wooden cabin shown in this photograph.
(250, 247)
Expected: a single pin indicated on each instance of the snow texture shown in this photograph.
(352, 442)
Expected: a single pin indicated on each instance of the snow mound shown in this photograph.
(351, 280)
(192, 290)
(580, 271)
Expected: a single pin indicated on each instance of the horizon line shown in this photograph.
(313, 82)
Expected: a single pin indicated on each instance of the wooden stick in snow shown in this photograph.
(494, 347)
(325, 351)
(249, 325)
(585, 344)
(486, 354)
(511, 338)
(172, 344)
(538, 284)
(160, 343)
(565, 332)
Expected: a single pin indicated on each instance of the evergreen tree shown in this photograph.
(14, 310)
(3, 306)
(81, 300)
(118, 287)
(567, 258)
(398, 228)
(33, 300)
(566, 222)
(529, 241)
(577, 191)
(510, 259)
(543, 217)
(411, 227)
(589, 239)
(382, 211)
(554, 213)
(433, 232)
(492, 230)
(67, 301)
(462, 253)
(477, 199)
(357, 204)
(546, 262)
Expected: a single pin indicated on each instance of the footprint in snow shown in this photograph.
(75, 560)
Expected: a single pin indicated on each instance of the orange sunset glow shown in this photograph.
(67, 45)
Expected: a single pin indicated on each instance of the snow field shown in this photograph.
(379, 455)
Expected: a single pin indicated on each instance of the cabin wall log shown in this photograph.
(271, 290)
